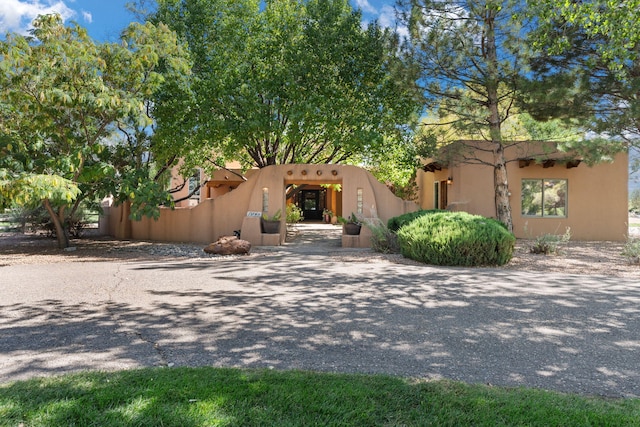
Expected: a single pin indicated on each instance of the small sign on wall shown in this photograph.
(253, 214)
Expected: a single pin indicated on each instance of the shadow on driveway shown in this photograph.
(316, 312)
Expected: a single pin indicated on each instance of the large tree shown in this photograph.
(470, 54)
(587, 67)
(63, 99)
(288, 82)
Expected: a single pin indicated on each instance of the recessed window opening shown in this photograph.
(544, 198)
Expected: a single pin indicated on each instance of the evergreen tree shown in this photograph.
(470, 54)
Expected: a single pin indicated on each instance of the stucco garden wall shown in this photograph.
(240, 209)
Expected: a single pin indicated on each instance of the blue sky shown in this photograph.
(105, 18)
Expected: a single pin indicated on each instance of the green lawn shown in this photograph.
(232, 397)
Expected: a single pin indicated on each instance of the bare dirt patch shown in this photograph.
(590, 258)
(586, 258)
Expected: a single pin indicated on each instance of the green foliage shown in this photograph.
(585, 69)
(398, 168)
(634, 201)
(470, 55)
(631, 250)
(394, 224)
(233, 397)
(456, 239)
(28, 219)
(383, 240)
(612, 27)
(29, 190)
(63, 97)
(351, 219)
(294, 214)
(275, 217)
(550, 244)
(289, 82)
(38, 220)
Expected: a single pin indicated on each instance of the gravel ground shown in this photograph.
(577, 257)
(569, 323)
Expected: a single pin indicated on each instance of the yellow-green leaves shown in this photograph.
(30, 190)
(62, 95)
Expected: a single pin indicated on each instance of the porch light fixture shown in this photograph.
(449, 180)
(334, 172)
(289, 172)
(304, 172)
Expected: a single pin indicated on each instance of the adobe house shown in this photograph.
(241, 206)
(549, 190)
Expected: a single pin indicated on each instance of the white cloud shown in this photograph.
(365, 6)
(88, 17)
(387, 19)
(17, 15)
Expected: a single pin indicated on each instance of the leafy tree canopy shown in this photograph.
(63, 97)
(586, 66)
(470, 55)
(288, 82)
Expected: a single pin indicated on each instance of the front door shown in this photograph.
(310, 201)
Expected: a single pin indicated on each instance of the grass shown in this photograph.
(233, 397)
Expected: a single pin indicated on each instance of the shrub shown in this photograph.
(634, 201)
(632, 251)
(382, 239)
(397, 222)
(38, 220)
(456, 238)
(28, 219)
(294, 214)
(549, 244)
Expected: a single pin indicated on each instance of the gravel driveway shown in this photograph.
(317, 311)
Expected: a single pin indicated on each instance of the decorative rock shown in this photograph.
(229, 245)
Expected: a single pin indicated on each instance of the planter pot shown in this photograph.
(352, 229)
(270, 227)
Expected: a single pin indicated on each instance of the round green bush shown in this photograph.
(456, 239)
(397, 222)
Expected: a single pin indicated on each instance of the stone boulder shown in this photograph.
(229, 245)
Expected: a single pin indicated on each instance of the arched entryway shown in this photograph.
(265, 194)
(320, 204)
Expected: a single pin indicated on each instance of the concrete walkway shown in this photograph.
(313, 309)
(313, 237)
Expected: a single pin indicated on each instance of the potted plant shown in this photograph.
(351, 225)
(327, 214)
(271, 224)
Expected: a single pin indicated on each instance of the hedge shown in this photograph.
(456, 239)
(397, 222)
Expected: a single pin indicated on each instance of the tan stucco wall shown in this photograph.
(597, 197)
(223, 215)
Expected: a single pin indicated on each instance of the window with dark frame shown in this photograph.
(544, 198)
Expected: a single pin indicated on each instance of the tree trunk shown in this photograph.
(61, 232)
(501, 186)
(500, 181)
